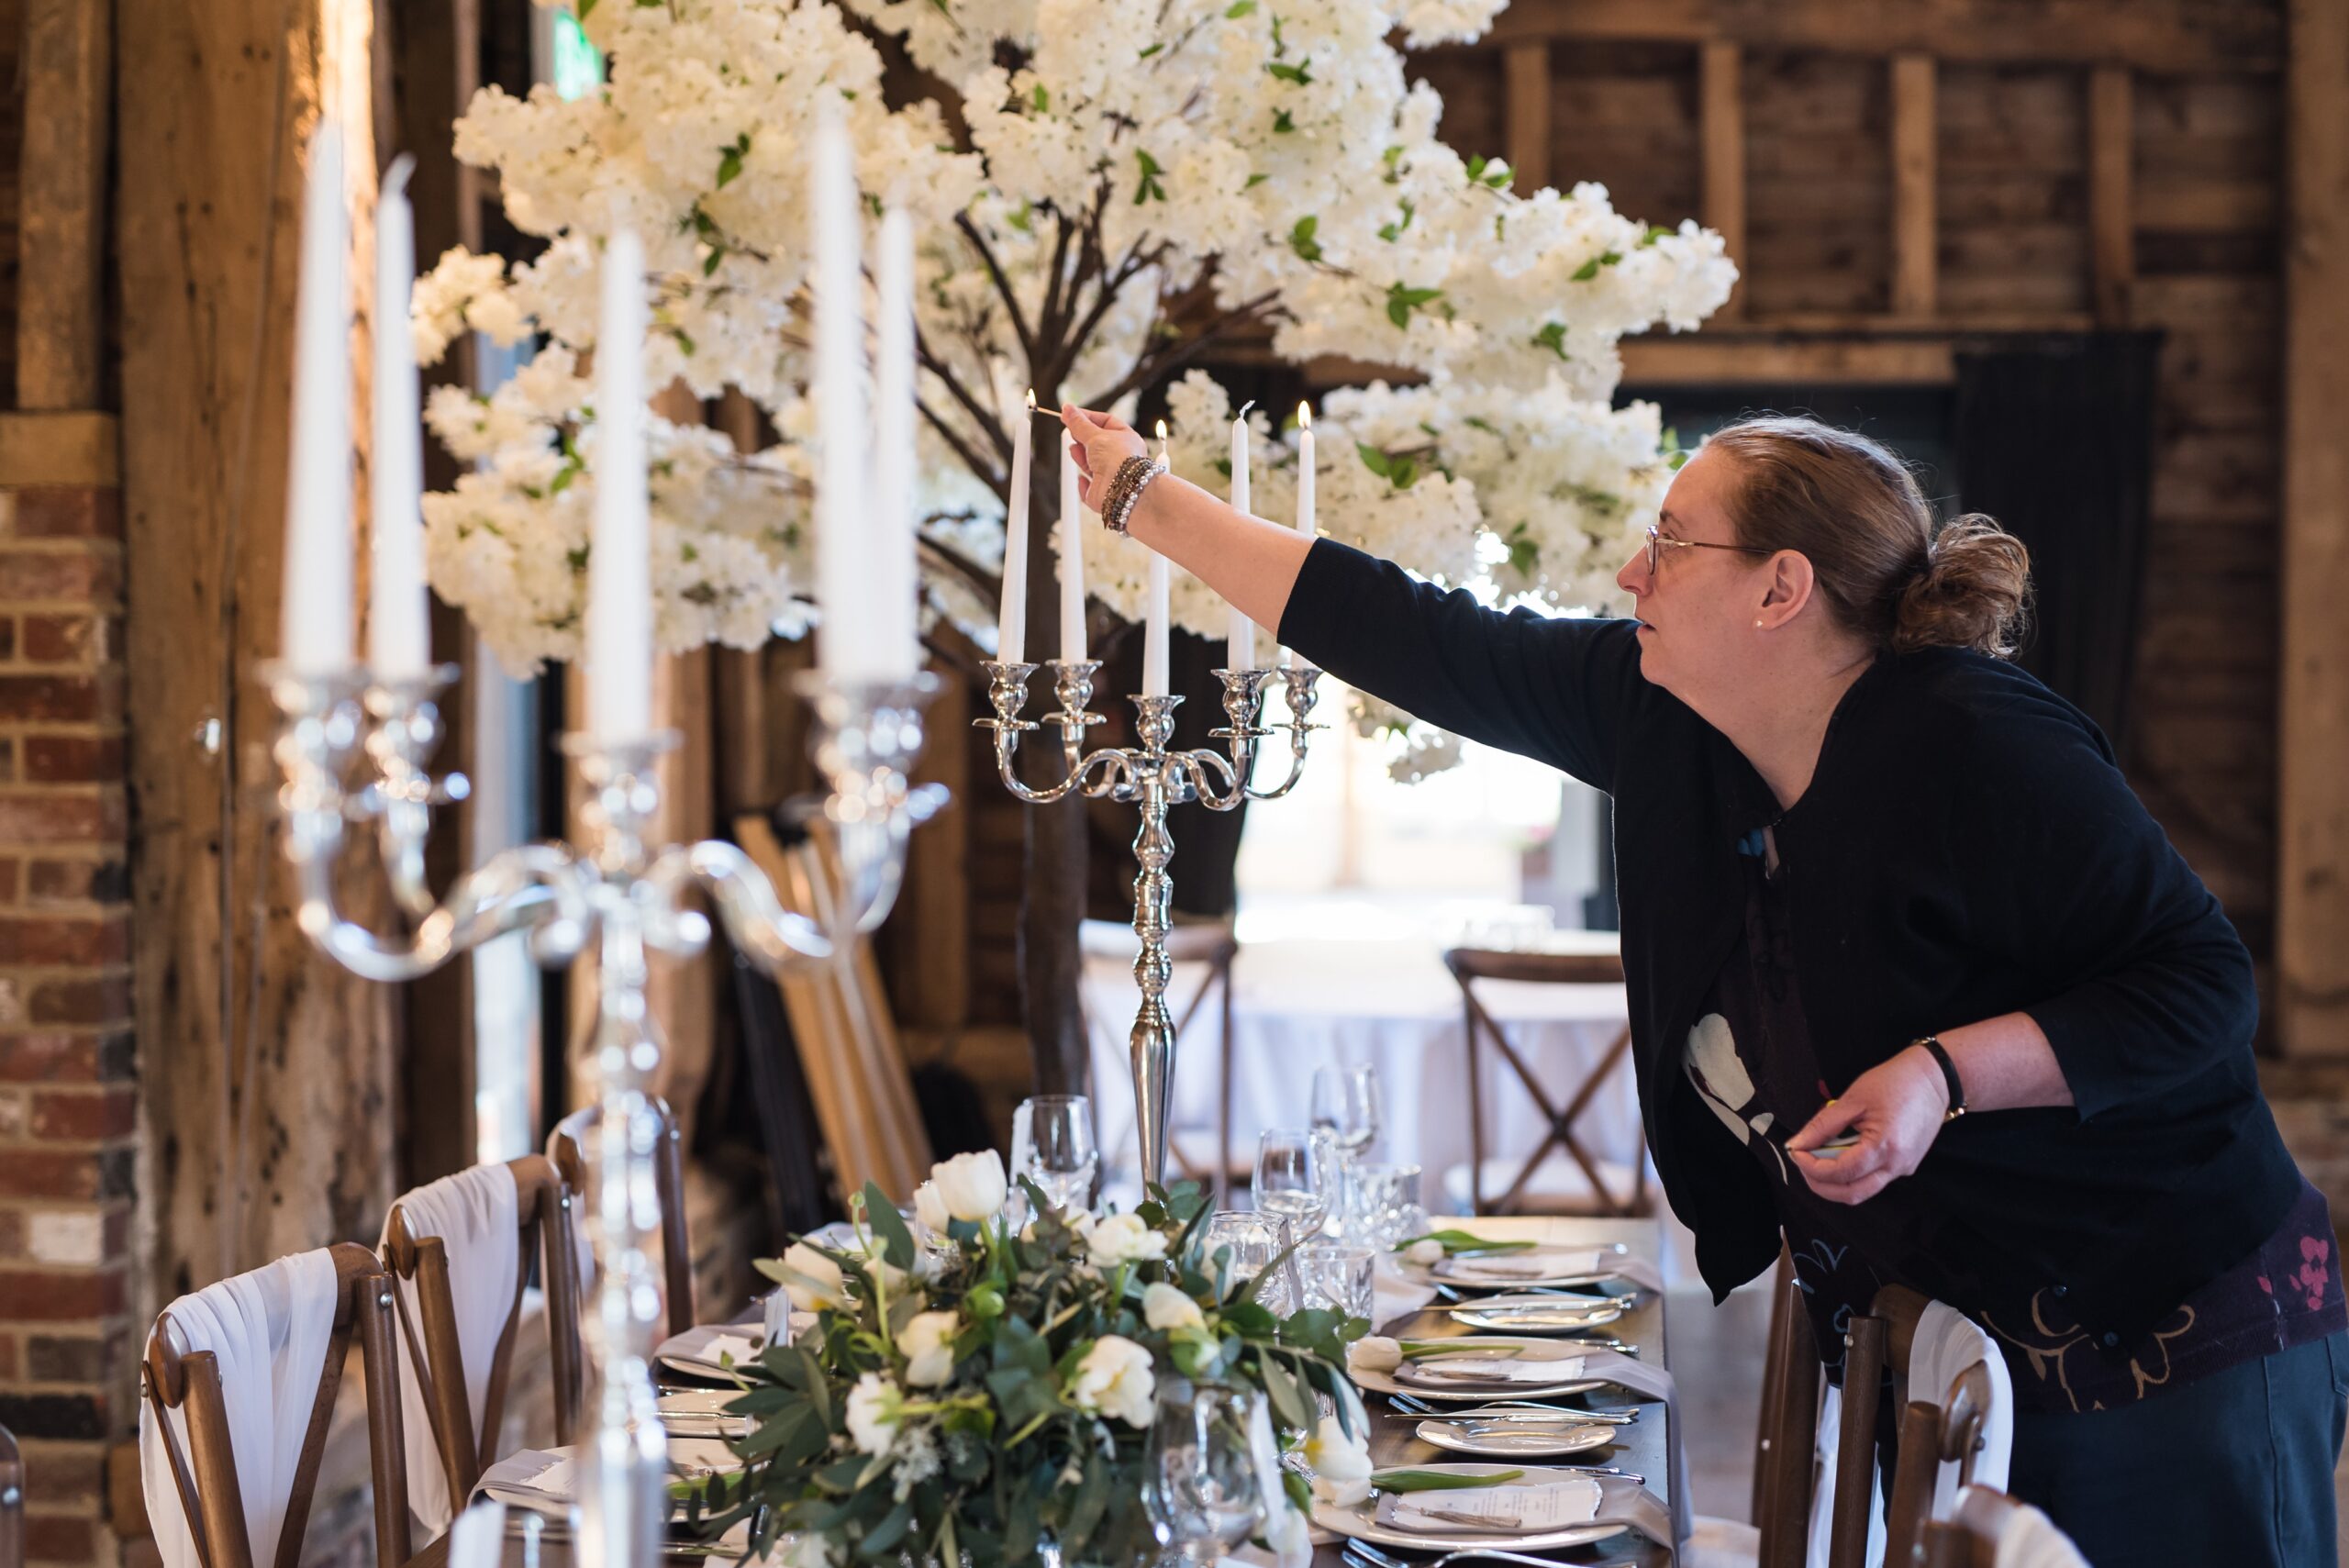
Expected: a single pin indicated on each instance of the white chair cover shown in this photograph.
(1947, 1344)
(1822, 1500)
(476, 1214)
(267, 1331)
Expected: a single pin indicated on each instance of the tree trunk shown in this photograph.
(1053, 865)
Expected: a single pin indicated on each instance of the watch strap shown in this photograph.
(1940, 1053)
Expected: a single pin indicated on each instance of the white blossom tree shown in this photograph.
(1101, 193)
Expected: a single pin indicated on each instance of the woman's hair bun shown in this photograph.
(1972, 589)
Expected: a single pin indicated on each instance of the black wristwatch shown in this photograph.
(1948, 1072)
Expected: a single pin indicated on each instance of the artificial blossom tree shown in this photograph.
(1101, 194)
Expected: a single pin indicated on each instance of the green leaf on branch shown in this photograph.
(1655, 231)
(1254, 181)
(1153, 49)
(1021, 219)
(897, 1242)
(1279, 48)
(1375, 460)
(1394, 230)
(1301, 241)
(1392, 158)
(581, 10)
(1239, 9)
(1042, 98)
(1552, 337)
(1288, 1400)
(1149, 189)
(1401, 301)
(1299, 75)
(729, 163)
(1282, 123)
(1524, 555)
(1589, 269)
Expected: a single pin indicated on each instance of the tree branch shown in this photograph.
(1151, 366)
(983, 472)
(1048, 321)
(987, 421)
(1002, 284)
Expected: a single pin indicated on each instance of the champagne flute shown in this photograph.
(1292, 1178)
(1061, 1158)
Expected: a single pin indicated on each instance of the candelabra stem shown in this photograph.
(624, 1500)
(1152, 1044)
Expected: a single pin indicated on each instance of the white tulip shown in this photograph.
(1374, 1354)
(819, 1284)
(874, 1409)
(1427, 1251)
(1164, 1307)
(1122, 1238)
(927, 1342)
(930, 1207)
(1340, 1462)
(971, 1187)
(1115, 1379)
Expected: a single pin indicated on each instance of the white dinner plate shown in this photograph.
(1519, 1314)
(694, 1351)
(1358, 1521)
(1513, 1441)
(1575, 1271)
(1570, 1381)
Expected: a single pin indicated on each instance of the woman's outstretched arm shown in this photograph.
(1249, 561)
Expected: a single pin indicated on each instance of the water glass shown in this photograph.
(1336, 1275)
(1292, 1178)
(1201, 1470)
(1058, 1152)
(1254, 1242)
(1385, 1196)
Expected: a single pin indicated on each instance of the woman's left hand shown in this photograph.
(1897, 1109)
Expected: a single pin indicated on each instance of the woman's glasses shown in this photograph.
(1658, 543)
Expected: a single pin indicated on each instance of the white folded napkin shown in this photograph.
(477, 1539)
(536, 1479)
(740, 1348)
(1393, 1293)
(1474, 1370)
(1507, 1509)
(1549, 1262)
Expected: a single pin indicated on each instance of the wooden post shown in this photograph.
(2313, 814)
(267, 1069)
(1526, 66)
(1915, 236)
(1721, 114)
(61, 172)
(2112, 246)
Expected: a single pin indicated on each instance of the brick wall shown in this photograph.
(67, 1099)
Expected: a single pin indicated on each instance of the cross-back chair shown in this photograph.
(1984, 1522)
(567, 1147)
(204, 1476)
(1787, 1435)
(545, 1213)
(1937, 1426)
(1615, 1191)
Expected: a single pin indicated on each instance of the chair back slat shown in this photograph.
(567, 1148)
(1774, 1378)
(1784, 1521)
(1911, 1503)
(1863, 1359)
(205, 1474)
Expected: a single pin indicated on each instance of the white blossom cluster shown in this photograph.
(1276, 154)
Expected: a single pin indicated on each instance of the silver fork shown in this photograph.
(1365, 1555)
(1613, 1416)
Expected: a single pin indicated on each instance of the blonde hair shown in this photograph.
(1851, 508)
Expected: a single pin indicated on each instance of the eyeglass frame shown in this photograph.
(1657, 541)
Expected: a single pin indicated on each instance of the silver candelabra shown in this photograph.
(626, 897)
(1155, 778)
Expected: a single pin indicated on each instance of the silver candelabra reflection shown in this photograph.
(613, 889)
(1155, 778)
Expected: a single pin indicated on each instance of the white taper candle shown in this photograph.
(1011, 614)
(315, 629)
(1240, 632)
(846, 648)
(896, 587)
(619, 563)
(1304, 489)
(1072, 562)
(400, 637)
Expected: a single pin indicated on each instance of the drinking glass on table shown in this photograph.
(1348, 1110)
(1254, 1242)
(1385, 1196)
(1059, 1154)
(1293, 1177)
(1199, 1470)
(1336, 1275)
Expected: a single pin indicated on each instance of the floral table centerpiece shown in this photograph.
(976, 1394)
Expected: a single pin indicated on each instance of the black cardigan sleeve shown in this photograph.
(2074, 882)
(1553, 689)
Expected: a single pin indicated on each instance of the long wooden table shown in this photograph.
(1645, 1448)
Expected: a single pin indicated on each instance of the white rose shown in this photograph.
(930, 1207)
(819, 1284)
(1340, 1462)
(971, 1187)
(1115, 1379)
(1122, 1238)
(1427, 1251)
(927, 1342)
(1374, 1354)
(1164, 1307)
(1290, 1535)
(874, 1408)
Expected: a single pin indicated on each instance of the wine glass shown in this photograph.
(1059, 1155)
(1292, 1178)
(1199, 1470)
(1348, 1110)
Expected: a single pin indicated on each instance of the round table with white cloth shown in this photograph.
(1301, 1003)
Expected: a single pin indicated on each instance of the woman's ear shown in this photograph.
(1787, 590)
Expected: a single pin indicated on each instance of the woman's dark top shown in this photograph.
(1968, 849)
(1749, 1060)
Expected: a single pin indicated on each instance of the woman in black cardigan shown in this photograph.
(1878, 883)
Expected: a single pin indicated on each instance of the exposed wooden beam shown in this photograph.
(1721, 135)
(68, 86)
(1526, 67)
(2311, 1012)
(1710, 360)
(1915, 232)
(74, 448)
(2112, 236)
(2150, 35)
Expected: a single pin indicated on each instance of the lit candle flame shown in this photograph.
(1305, 415)
(1032, 400)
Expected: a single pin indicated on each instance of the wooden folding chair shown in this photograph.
(206, 1476)
(1971, 1539)
(1786, 1462)
(1946, 1427)
(856, 1073)
(1624, 1196)
(544, 1211)
(567, 1147)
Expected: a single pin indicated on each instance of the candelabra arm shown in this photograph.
(533, 887)
(755, 920)
(1208, 774)
(1300, 682)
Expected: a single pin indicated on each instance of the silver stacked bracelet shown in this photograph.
(1133, 476)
